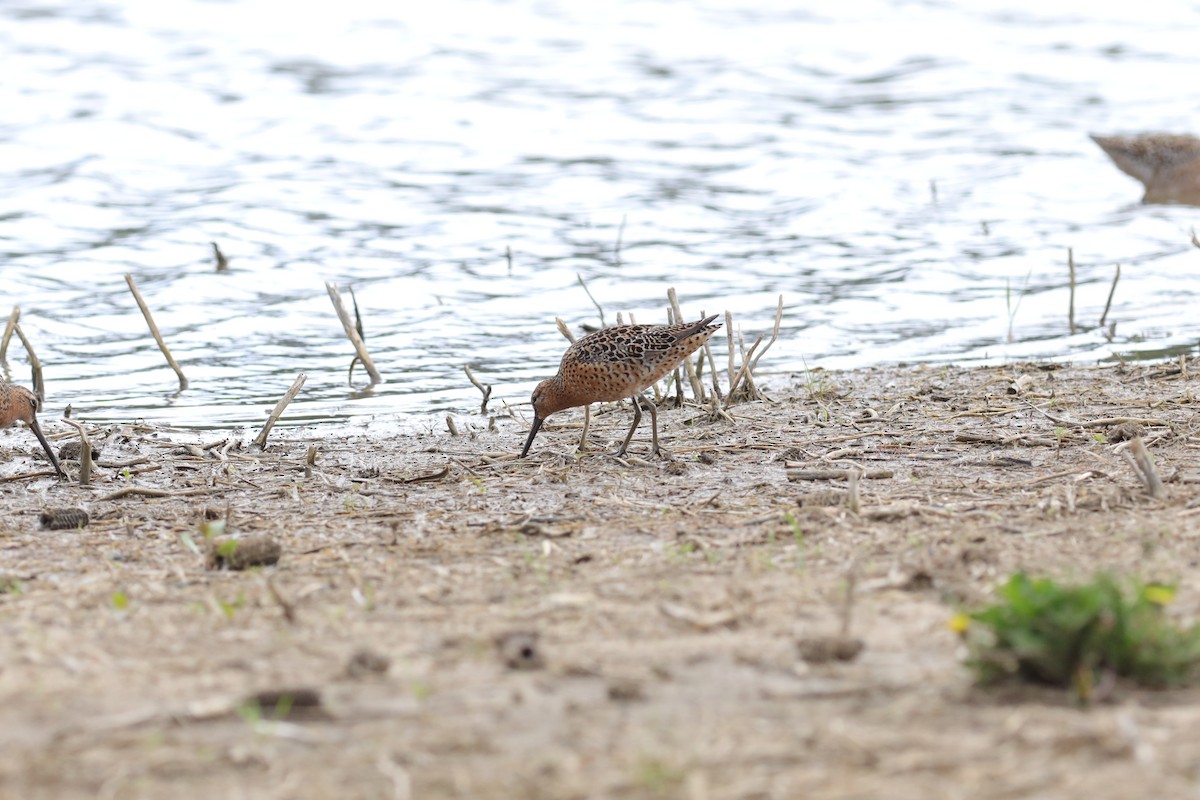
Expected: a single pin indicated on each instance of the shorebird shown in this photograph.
(616, 363)
(1167, 164)
(18, 403)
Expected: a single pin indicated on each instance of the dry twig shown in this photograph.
(1071, 303)
(222, 261)
(697, 386)
(8, 332)
(742, 373)
(1143, 464)
(486, 390)
(1111, 291)
(774, 336)
(183, 381)
(85, 452)
(39, 385)
(277, 411)
(352, 333)
(588, 291)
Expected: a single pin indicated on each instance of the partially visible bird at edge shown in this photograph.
(614, 364)
(18, 403)
(1167, 164)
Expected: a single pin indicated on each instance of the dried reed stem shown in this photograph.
(713, 374)
(620, 237)
(486, 390)
(277, 412)
(1143, 464)
(39, 386)
(222, 261)
(1111, 291)
(352, 333)
(742, 373)
(1071, 304)
(13, 318)
(564, 330)
(183, 381)
(85, 452)
(796, 471)
(729, 337)
(588, 292)
(697, 386)
(774, 336)
(853, 500)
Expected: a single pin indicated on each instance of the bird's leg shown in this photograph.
(587, 423)
(637, 417)
(655, 449)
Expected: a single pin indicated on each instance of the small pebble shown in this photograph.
(367, 662)
(823, 649)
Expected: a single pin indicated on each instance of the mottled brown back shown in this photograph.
(619, 362)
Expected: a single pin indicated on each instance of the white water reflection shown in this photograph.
(894, 169)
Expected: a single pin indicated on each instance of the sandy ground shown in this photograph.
(447, 621)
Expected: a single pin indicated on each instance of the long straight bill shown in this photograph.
(37, 431)
(537, 424)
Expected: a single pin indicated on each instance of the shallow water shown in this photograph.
(908, 175)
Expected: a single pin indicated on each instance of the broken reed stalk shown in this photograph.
(358, 326)
(729, 338)
(8, 332)
(797, 471)
(742, 373)
(774, 336)
(39, 386)
(853, 500)
(85, 452)
(713, 374)
(486, 390)
(588, 292)
(183, 381)
(621, 236)
(222, 261)
(352, 333)
(277, 411)
(697, 386)
(1111, 291)
(1143, 464)
(1071, 302)
(564, 330)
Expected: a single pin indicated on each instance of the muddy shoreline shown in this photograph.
(448, 621)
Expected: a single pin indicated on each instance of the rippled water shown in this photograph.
(908, 175)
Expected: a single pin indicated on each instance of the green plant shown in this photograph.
(657, 776)
(1044, 632)
(231, 608)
